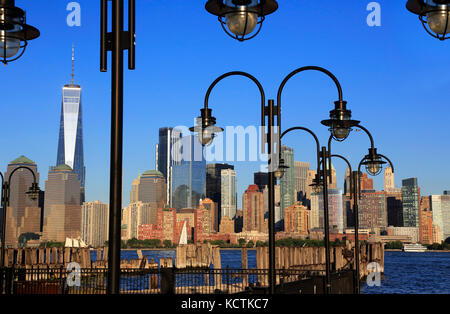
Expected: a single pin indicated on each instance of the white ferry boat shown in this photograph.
(413, 247)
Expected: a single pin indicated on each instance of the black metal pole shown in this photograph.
(2, 202)
(116, 150)
(356, 222)
(324, 154)
(271, 196)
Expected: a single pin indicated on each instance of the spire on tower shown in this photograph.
(73, 61)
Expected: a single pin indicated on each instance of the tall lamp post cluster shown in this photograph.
(340, 125)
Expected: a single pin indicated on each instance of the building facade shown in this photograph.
(94, 223)
(411, 202)
(228, 193)
(287, 182)
(253, 209)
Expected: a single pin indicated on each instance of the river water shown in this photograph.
(404, 273)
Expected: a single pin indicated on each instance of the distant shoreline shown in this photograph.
(430, 251)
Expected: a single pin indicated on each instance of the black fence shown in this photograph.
(60, 280)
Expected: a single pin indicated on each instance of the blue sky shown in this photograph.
(395, 78)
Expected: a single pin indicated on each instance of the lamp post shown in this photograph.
(340, 125)
(321, 178)
(434, 16)
(14, 32)
(33, 194)
(241, 19)
(116, 41)
(373, 162)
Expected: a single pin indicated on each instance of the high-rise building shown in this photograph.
(208, 205)
(309, 181)
(189, 177)
(261, 179)
(62, 211)
(300, 178)
(426, 221)
(296, 219)
(229, 193)
(347, 182)
(214, 185)
(253, 209)
(150, 187)
(394, 207)
(287, 182)
(168, 155)
(366, 183)
(372, 210)
(23, 214)
(332, 184)
(389, 183)
(70, 145)
(440, 207)
(138, 213)
(335, 211)
(94, 223)
(411, 202)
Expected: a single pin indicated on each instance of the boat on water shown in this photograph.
(414, 247)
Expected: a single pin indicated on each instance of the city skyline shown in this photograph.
(419, 144)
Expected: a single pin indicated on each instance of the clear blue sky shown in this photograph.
(394, 77)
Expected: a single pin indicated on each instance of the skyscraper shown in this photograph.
(372, 210)
(300, 178)
(440, 207)
(261, 179)
(189, 177)
(70, 145)
(253, 209)
(214, 185)
(150, 187)
(229, 193)
(388, 179)
(168, 155)
(287, 182)
(411, 202)
(62, 211)
(366, 183)
(21, 208)
(94, 223)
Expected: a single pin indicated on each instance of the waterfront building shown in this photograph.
(62, 209)
(202, 225)
(138, 213)
(314, 214)
(94, 223)
(214, 187)
(411, 202)
(189, 177)
(366, 183)
(309, 181)
(296, 219)
(226, 225)
(437, 234)
(70, 143)
(335, 211)
(394, 206)
(253, 209)
(389, 183)
(168, 155)
(426, 221)
(440, 206)
(210, 206)
(372, 210)
(228, 193)
(287, 182)
(23, 214)
(411, 232)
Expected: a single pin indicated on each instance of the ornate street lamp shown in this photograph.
(241, 19)
(206, 129)
(340, 122)
(434, 15)
(14, 32)
(33, 194)
(281, 170)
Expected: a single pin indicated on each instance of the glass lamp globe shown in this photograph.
(11, 44)
(439, 21)
(241, 23)
(373, 168)
(207, 136)
(341, 133)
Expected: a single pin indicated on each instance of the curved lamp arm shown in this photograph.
(389, 161)
(220, 78)
(9, 178)
(315, 138)
(302, 69)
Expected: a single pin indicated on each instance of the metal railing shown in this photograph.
(59, 280)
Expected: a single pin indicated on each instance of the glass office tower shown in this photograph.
(70, 146)
(189, 176)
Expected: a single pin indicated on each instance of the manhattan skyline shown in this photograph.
(167, 89)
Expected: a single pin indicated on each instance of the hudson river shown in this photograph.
(404, 273)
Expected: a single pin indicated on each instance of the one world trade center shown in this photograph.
(70, 145)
